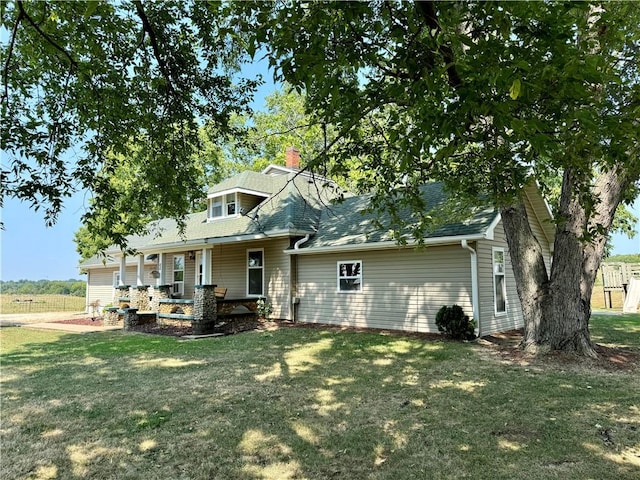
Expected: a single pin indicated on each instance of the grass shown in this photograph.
(311, 403)
(40, 303)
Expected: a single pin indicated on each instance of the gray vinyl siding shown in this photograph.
(247, 202)
(403, 289)
(189, 274)
(100, 285)
(536, 227)
(229, 270)
(100, 282)
(490, 322)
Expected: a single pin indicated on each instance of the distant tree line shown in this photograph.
(43, 287)
(629, 258)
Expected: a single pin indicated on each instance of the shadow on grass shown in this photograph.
(306, 403)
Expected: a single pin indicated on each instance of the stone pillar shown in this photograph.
(160, 292)
(123, 296)
(111, 316)
(130, 318)
(140, 298)
(204, 309)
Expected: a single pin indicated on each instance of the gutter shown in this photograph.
(381, 245)
(474, 284)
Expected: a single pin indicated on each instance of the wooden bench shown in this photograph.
(220, 292)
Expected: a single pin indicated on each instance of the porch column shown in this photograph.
(162, 268)
(123, 270)
(140, 272)
(206, 266)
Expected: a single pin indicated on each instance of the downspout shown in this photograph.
(304, 239)
(474, 284)
(294, 264)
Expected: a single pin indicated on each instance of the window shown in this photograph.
(178, 274)
(231, 204)
(499, 287)
(223, 206)
(255, 272)
(350, 276)
(116, 279)
(216, 207)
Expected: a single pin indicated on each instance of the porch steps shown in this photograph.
(175, 316)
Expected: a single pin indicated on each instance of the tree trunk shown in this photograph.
(529, 270)
(557, 307)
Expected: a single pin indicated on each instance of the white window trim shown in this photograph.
(504, 281)
(338, 277)
(262, 294)
(211, 205)
(116, 279)
(173, 270)
(222, 199)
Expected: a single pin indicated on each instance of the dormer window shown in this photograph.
(231, 204)
(216, 208)
(223, 206)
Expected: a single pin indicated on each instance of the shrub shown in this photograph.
(264, 308)
(453, 322)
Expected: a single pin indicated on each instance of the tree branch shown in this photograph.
(50, 40)
(5, 71)
(147, 27)
(428, 12)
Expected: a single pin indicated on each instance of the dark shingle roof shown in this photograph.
(297, 206)
(349, 223)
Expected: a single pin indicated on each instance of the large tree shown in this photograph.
(487, 96)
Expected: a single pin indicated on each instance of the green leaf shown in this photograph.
(514, 91)
(91, 8)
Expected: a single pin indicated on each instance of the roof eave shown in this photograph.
(450, 240)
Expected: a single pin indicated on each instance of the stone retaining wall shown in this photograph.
(140, 297)
(111, 317)
(175, 305)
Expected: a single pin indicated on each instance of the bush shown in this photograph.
(264, 308)
(453, 322)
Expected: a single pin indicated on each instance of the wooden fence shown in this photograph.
(615, 277)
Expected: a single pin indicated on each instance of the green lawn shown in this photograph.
(311, 403)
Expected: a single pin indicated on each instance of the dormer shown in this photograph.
(233, 202)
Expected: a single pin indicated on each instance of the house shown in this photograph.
(280, 234)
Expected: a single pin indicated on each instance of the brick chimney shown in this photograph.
(292, 157)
